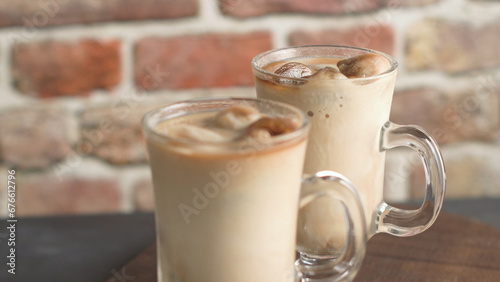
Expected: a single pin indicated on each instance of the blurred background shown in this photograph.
(77, 76)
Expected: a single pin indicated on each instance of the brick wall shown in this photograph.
(76, 77)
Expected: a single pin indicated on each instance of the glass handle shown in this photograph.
(345, 267)
(401, 222)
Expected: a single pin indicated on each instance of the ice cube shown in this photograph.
(237, 117)
(364, 65)
(194, 133)
(294, 69)
(328, 73)
(267, 127)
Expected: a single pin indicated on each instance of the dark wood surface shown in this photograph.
(453, 249)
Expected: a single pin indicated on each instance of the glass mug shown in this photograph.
(227, 211)
(350, 133)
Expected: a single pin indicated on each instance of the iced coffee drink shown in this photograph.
(347, 94)
(227, 183)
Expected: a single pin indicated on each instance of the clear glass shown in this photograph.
(350, 133)
(228, 211)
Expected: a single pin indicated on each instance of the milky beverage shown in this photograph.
(227, 185)
(347, 111)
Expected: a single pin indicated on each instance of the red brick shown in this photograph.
(54, 68)
(210, 60)
(32, 138)
(452, 46)
(37, 14)
(470, 114)
(44, 194)
(144, 195)
(253, 8)
(374, 36)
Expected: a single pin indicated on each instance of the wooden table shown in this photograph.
(453, 249)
